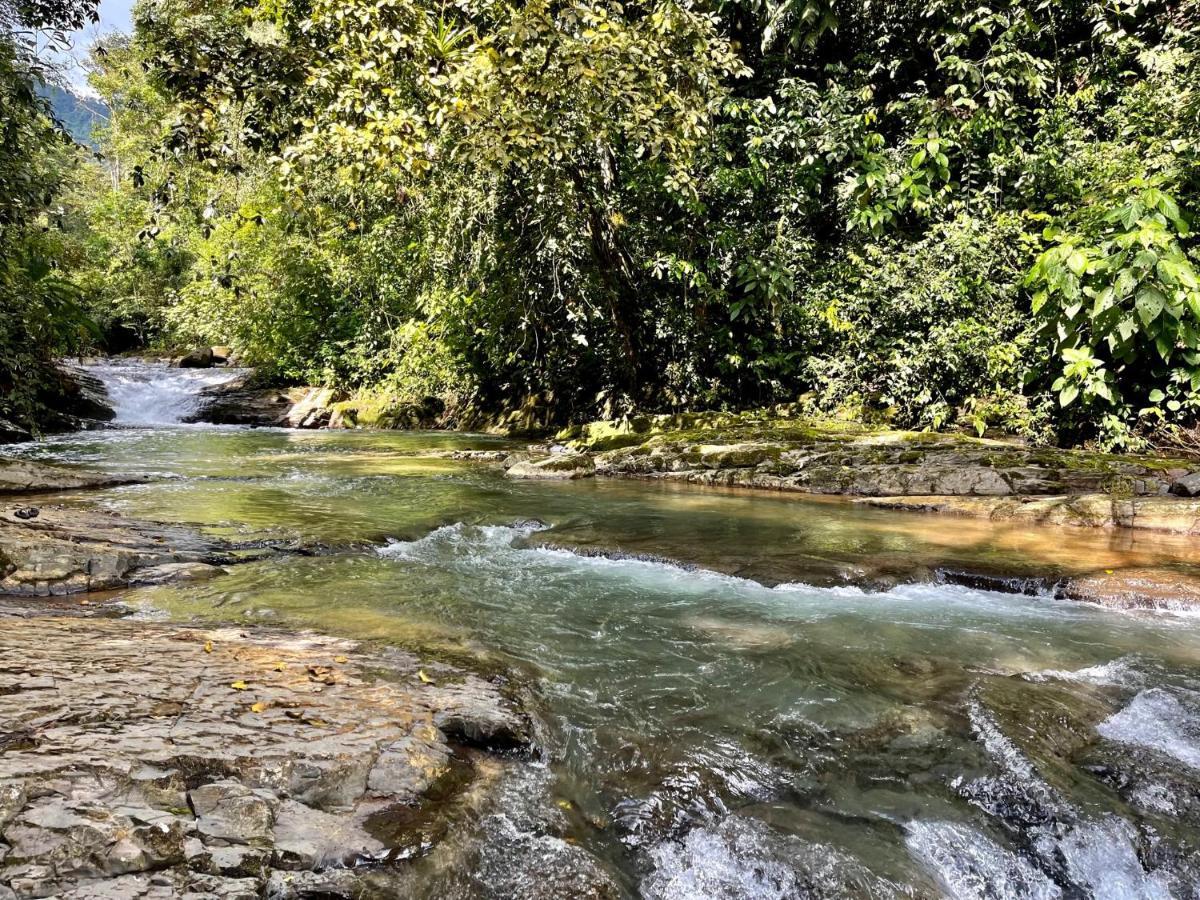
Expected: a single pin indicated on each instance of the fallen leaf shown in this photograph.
(564, 804)
(425, 679)
(259, 707)
(279, 667)
(322, 674)
(239, 685)
(340, 659)
(208, 646)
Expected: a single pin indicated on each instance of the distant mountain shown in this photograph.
(77, 114)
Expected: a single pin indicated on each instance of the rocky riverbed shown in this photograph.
(140, 759)
(150, 748)
(951, 474)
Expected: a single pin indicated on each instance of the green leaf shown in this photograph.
(1125, 283)
(1149, 304)
(1067, 395)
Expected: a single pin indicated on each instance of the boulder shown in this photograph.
(1187, 486)
(408, 767)
(12, 433)
(85, 396)
(308, 839)
(312, 409)
(200, 358)
(79, 839)
(67, 550)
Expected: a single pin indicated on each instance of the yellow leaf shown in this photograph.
(258, 707)
(340, 659)
(208, 646)
(564, 804)
(425, 679)
(279, 667)
(239, 685)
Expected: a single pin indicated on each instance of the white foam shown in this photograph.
(1100, 857)
(968, 865)
(143, 393)
(1117, 672)
(1157, 720)
(742, 858)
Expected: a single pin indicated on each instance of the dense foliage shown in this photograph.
(40, 314)
(939, 214)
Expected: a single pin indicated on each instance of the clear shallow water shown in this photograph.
(755, 727)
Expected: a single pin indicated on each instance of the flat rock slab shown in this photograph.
(66, 550)
(142, 759)
(1162, 512)
(24, 476)
(784, 452)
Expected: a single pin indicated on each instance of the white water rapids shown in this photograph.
(154, 393)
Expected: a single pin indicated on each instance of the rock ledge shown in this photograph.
(147, 760)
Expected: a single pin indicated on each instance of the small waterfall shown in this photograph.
(154, 393)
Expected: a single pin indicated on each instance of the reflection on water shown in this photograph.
(748, 723)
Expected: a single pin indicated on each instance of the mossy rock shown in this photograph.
(559, 467)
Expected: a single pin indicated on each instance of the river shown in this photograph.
(741, 695)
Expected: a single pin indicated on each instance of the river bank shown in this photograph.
(782, 449)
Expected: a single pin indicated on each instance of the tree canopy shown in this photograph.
(939, 214)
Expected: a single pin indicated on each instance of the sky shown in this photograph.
(115, 15)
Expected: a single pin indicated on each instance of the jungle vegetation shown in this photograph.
(933, 213)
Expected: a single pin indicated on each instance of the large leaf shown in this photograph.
(1149, 304)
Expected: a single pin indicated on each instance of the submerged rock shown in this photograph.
(162, 761)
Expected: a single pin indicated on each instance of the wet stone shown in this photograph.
(160, 761)
(228, 811)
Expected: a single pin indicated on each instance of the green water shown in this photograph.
(752, 722)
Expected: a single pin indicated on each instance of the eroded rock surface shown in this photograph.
(887, 465)
(146, 760)
(1151, 513)
(555, 467)
(65, 550)
(1136, 589)
(924, 472)
(22, 476)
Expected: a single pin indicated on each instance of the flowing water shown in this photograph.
(151, 393)
(742, 695)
